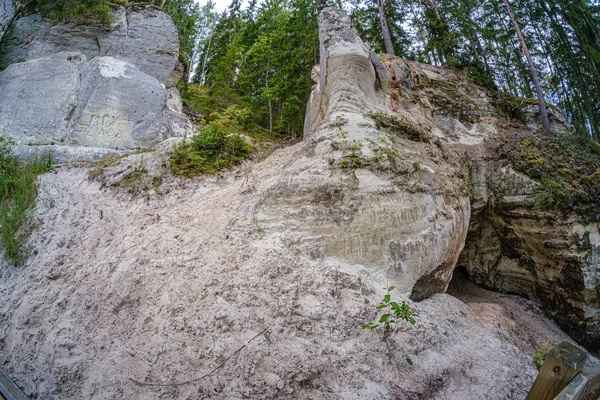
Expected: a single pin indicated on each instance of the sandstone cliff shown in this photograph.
(408, 201)
(256, 282)
(84, 92)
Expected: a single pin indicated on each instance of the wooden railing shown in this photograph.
(8, 390)
(564, 376)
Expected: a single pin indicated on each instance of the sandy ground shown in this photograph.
(186, 296)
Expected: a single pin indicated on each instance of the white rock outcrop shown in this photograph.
(84, 92)
(369, 197)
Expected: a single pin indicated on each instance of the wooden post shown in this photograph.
(8, 390)
(561, 365)
(592, 390)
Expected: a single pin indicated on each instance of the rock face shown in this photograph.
(8, 9)
(370, 197)
(546, 256)
(412, 161)
(85, 92)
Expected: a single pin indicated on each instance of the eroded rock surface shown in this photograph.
(85, 92)
(402, 203)
(551, 257)
(8, 9)
(370, 197)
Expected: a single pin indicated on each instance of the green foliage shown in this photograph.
(134, 180)
(233, 117)
(393, 314)
(567, 166)
(256, 224)
(80, 11)
(260, 59)
(551, 194)
(542, 350)
(18, 192)
(209, 151)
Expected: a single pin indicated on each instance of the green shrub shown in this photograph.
(211, 150)
(18, 192)
(540, 354)
(233, 117)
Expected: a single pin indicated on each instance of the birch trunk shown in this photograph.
(536, 80)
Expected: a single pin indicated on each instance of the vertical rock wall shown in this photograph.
(85, 92)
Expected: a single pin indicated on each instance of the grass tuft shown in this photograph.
(18, 192)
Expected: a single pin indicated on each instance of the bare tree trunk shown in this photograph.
(202, 78)
(387, 39)
(536, 80)
(269, 98)
(435, 8)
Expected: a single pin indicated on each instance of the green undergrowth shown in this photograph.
(568, 167)
(513, 105)
(399, 126)
(214, 148)
(18, 192)
(79, 11)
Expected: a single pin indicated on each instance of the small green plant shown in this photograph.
(211, 150)
(342, 133)
(257, 227)
(18, 192)
(393, 313)
(542, 350)
(234, 117)
(135, 182)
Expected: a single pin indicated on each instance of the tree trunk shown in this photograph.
(536, 80)
(435, 8)
(387, 39)
(269, 98)
(203, 72)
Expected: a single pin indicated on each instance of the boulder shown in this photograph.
(8, 9)
(142, 35)
(83, 92)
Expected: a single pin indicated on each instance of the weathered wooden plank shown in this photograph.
(561, 365)
(592, 390)
(574, 389)
(8, 389)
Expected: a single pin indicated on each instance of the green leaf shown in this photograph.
(391, 288)
(384, 318)
(381, 306)
(409, 361)
(394, 305)
(386, 298)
